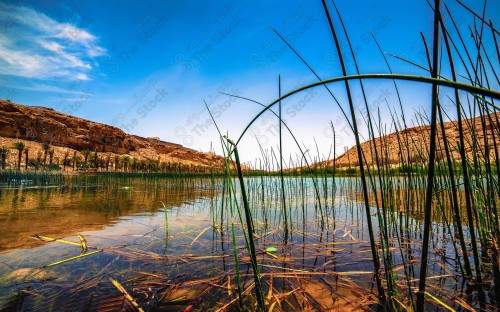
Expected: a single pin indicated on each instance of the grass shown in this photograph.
(16, 177)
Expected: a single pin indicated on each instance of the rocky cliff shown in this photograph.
(35, 125)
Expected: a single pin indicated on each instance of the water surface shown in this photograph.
(323, 256)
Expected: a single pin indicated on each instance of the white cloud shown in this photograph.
(52, 46)
(37, 46)
(82, 76)
(72, 33)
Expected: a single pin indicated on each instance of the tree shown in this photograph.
(51, 156)
(45, 147)
(85, 153)
(133, 166)
(19, 146)
(4, 151)
(96, 160)
(35, 163)
(108, 159)
(38, 160)
(26, 151)
(117, 162)
(65, 159)
(74, 158)
(151, 165)
(163, 166)
(125, 161)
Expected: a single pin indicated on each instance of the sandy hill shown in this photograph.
(412, 144)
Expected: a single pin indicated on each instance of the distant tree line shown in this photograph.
(87, 160)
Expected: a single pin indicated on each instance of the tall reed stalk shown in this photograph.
(375, 256)
(283, 195)
(250, 229)
(431, 163)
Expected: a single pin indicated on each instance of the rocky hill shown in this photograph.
(411, 145)
(68, 135)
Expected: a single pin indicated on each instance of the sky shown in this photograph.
(148, 67)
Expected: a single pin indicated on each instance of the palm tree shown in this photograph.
(163, 166)
(86, 153)
(125, 161)
(96, 160)
(91, 160)
(19, 146)
(150, 165)
(108, 158)
(74, 158)
(133, 166)
(65, 159)
(4, 151)
(45, 147)
(51, 156)
(26, 151)
(117, 162)
(38, 159)
(142, 165)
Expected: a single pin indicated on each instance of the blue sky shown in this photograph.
(147, 66)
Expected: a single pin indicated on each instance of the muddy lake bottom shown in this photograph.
(181, 258)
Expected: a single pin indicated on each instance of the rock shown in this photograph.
(418, 137)
(30, 275)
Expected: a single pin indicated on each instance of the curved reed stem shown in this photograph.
(440, 82)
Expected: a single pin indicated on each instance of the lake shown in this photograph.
(170, 245)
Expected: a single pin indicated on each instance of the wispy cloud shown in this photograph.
(37, 46)
(49, 88)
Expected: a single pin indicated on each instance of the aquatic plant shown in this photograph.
(398, 193)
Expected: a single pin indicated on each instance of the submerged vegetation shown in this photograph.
(421, 232)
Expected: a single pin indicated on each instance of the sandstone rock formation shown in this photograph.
(411, 145)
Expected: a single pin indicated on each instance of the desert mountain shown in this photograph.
(69, 136)
(411, 145)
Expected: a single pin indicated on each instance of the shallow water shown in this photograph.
(323, 260)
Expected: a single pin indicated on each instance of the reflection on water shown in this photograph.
(59, 211)
(322, 261)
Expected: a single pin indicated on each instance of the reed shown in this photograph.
(250, 228)
(396, 192)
